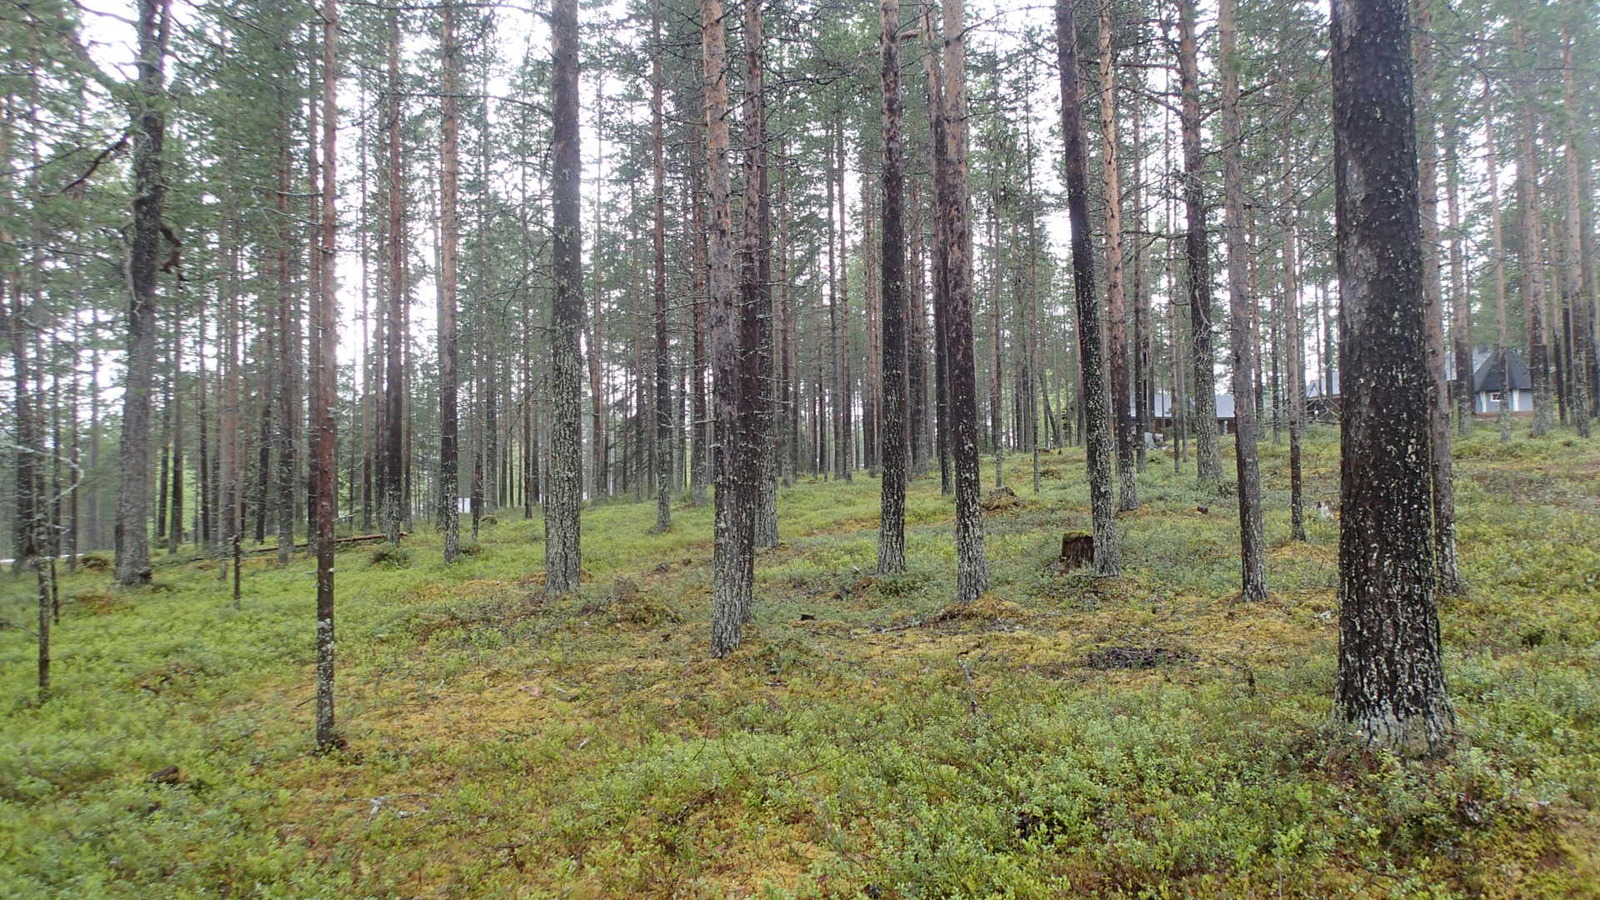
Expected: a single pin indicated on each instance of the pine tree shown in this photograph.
(1390, 691)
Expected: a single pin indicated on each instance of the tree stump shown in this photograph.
(1077, 550)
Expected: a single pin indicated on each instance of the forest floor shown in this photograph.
(1147, 736)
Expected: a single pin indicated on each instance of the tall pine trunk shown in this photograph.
(564, 499)
(1202, 358)
(972, 569)
(1390, 691)
(1091, 347)
(324, 375)
(658, 243)
(449, 234)
(1253, 580)
(148, 132)
(1116, 276)
(892, 515)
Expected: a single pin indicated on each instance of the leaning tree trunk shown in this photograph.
(148, 133)
(892, 515)
(565, 473)
(1253, 579)
(1390, 691)
(972, 570)
(1091, 347)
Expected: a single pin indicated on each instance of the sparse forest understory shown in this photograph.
(810, 448)
(1063, 736)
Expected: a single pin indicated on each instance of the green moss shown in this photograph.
(507, 744)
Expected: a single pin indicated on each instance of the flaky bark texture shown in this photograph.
(1390, 691)
(972, 570)
(658, 240)
(564, 499)
(755, 322)
(325, 376)
(1091, 347)
(1202, 358)
(449, 228)
(892, 513)
(732, 565)
(934, 89)
(1116, 277)
(148, 133)
(391, 501)
(1572, 299)
(1442, 472)
(1252, 570)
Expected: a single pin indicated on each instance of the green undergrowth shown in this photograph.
(1143, 737)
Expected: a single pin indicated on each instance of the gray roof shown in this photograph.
(1488, 375)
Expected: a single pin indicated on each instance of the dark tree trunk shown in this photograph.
(892, 527)
(1097, 420)
(392, 491)
(148, 133)
(933, 79)
(1390, 691)
(565, 496)
(1202, 359)
(755, 322)
(324, 378)
(733, 560)
(658, 237)
(1573, 302)
(972, 570)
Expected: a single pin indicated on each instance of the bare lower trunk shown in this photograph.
(1390, 691)
(149, 193)
(733, 555)
(565, 497)
(1442, 473)
(324, 376)
(1097, 419)
(1253, 580)
(658, 241)
(1202, 359)
(892, 513)
(972, 570)
(449, 232)
(1116, 276)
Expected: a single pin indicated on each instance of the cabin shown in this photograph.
(1493, 380)
(1161, 413)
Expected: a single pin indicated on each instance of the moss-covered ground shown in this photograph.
(1142, 737)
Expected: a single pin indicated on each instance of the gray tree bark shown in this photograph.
(1390, 691)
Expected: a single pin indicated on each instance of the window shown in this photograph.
(1494, 396)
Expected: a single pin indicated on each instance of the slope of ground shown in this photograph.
(1143, 737)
